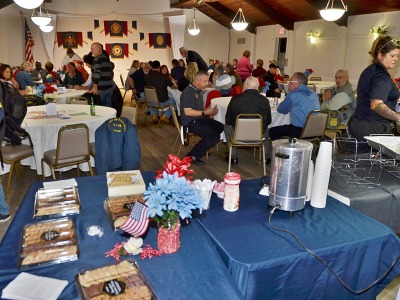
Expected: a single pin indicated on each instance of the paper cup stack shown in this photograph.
(319, 190)
(205, 188)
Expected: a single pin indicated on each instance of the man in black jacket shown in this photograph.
(249, 102)
(193, 56)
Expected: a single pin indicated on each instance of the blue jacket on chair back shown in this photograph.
(117, 146)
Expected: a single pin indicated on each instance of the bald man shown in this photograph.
(193, 56)
(102, 75)
(248, 102)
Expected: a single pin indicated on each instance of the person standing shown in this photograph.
(244, 67)
(300, 101)
(71, 56)
(377, 93)
(248, 102)
(193, 56)
(194, 117)
(102, 75)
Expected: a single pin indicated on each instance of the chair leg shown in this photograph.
(90, 168)
(263, 159)
(52, 172)
(79, 170)
(10, 177)
(176, 140)
(42, 169)
(230, 157)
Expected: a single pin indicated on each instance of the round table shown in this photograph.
(63, 98)
(44, 130)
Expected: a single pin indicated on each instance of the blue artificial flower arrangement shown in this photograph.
(266, 88)
(171, 196)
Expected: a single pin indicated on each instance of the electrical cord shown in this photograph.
(326, 264)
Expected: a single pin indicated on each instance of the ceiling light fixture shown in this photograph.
(40, 18)
(46, 28)
(193, 28)
(332, 14)
(239, 22)
(29, 4)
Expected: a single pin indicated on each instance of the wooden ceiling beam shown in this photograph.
(272, 13)
(229, 14)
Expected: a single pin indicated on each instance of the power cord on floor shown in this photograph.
(326, 264)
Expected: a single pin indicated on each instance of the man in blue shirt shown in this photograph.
(299, 102)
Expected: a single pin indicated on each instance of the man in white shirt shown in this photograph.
(71, 56)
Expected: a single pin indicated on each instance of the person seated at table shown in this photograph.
(72, 76)
(38, 73)
(23, 75)
(182, 63)
(137, 81)
(236, 80)
(212, 77)
(273, 90)
(234, 63)
(278, 76)
(158, 80)
(299, 102)
(248, 102)
(259, 71)
(190, 72)
(80, 68)
(176, 71)
(134, 66)
(51, 77)
(339, 100)
(194, 118)
(165, 71)
(6, 75)
(223, 82)
(244, 67)
(87, 85)
(211, 64)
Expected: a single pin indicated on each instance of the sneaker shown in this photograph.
(5, 218)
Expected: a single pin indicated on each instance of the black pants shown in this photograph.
(290, 130)
(210, 132)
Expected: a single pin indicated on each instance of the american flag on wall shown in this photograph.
(29, 43)
(138, 221)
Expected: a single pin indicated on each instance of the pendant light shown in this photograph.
(332, 14)
(29, 4)
(193, 28)
(40, 18)
(46, 28)
(239, 22)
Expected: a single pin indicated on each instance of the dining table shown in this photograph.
(320, 86)
(228, 255)
(65, 96)
(43, 129)
(222, 103)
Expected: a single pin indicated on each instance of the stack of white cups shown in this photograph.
(322, 173)
(310, 178)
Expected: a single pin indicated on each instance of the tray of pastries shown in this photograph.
(48, 242)
(125, 183)
(118, 208)
(120, 281)
(57, 202)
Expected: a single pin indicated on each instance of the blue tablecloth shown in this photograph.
(268, 264)
(194, 272)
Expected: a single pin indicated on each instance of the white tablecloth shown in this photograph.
(44, 131)
(222, 103)
(70, 93)
(176, 94)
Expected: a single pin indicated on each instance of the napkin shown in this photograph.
(59, 184)
(31, 287)
(205, 188)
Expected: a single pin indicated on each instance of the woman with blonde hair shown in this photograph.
(23, 76)
(188, 76)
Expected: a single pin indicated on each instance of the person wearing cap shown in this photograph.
(71, 56)
(299, 102)
(273, 90)
(161, 83)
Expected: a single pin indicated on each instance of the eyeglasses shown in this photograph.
(293, 81)
(395, 42)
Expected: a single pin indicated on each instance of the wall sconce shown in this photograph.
(378, 31)
(193, 28)
(313, 36)
(239, 22)
(332, 14)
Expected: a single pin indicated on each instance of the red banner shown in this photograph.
(69, 39)
(116, 28)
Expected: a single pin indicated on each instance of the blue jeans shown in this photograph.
(4, 209)
(167, 112)
(106, 97)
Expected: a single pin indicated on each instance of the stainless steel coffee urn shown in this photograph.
(289, 173)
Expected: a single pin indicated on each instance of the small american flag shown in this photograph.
(138, 221)
(29, 43)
